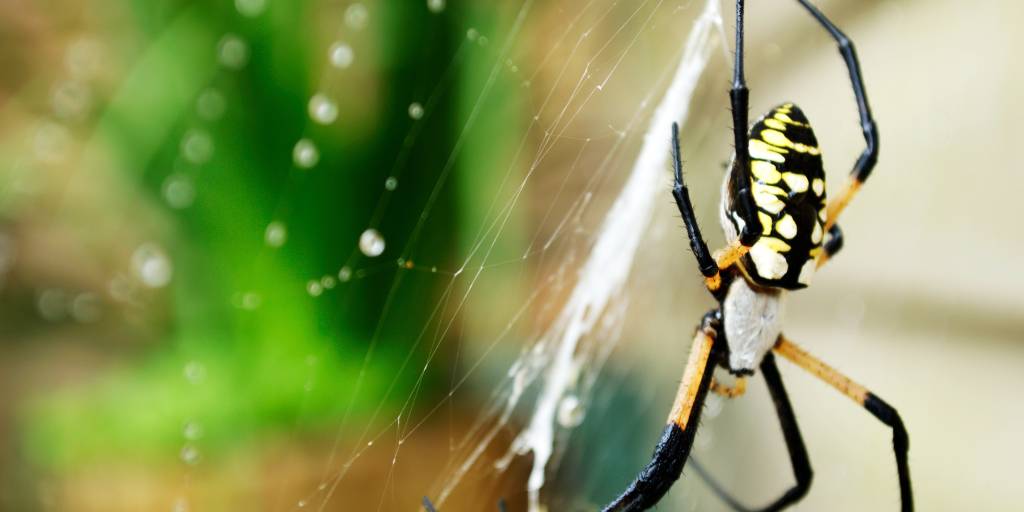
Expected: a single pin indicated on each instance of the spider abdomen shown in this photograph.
(787, 181)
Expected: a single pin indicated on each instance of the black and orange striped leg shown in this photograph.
(858, 393)
(794, 444)
(832, 245)
(869, 156)
(669, 457)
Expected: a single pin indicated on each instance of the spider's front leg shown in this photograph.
(711, 266)
(677, 439)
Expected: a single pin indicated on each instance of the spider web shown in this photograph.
(551, 380)
(566, 209)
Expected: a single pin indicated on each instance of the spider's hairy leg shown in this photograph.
(858, 393)
(869, 156)
(794, 445)
(669, 457)
(738, 388)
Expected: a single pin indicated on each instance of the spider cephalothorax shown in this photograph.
(786, 179)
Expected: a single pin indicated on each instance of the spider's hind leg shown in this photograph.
(673, 449)
(794, 444)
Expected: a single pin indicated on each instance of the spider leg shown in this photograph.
(669, 457)
(710, 266)
(832, 245)
(794, 444)
(866, 162)
(876, 406)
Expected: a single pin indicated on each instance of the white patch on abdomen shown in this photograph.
(753, 321)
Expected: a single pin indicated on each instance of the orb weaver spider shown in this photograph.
(775, 217)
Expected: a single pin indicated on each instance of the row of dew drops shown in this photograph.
(151, 264)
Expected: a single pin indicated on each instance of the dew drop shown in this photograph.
(51, 142)
(197, 146)
(251, 300)
(195, 372)
(356, 15)
(472, 34)
(328, 282)
(190, 455)
(322, 109)
(192, 431)
(391, 183)
(341, 55)
(276, 234)
(415, 110)
(152, 266)
(344, 274)
(250, 8)
(85, 308)
(52, 305)
(180, 505)
(71, 99)
(178, 191)
(233, 52)
(84, 58)
(305, 154)
(210, 104)
(314, 288)
(483, 41)
(570, 411)
(371, 243)
(435, 6)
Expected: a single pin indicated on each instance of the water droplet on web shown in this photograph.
(344, 274)
(250, 8)
(305, 154)
(50, 142)
(52, 305)
(314, 288)
(321, 487)
(85, 308)
(570, 411)
(83, 58)
(301, 503)
(341, 55)
(251, 300)
(472, 34)
(210, 104)
(356, 15)
(391, 183)
(178, 191)
(483, 41)
(435, 6)
(71, 99)
(276, 234)
(371, 243)
(151, 266)
(233, 52)
(328, 282)
(180, 505)
(190, 455)
(192, 431)
(322, 109)
(415, 110)
(197, 146)
(195, 372)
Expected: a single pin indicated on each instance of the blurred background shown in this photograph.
(279, 255)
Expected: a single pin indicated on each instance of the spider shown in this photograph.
(775, 217)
